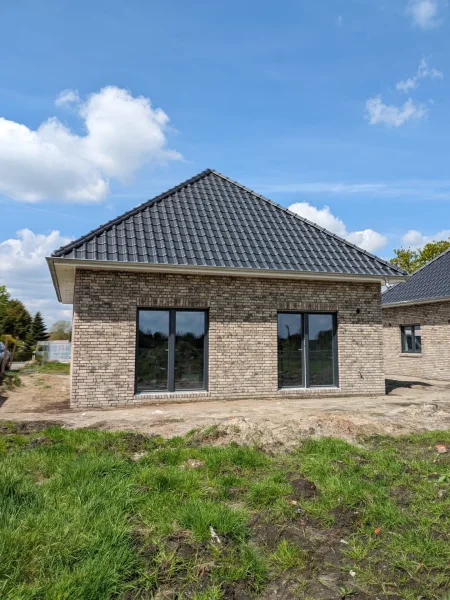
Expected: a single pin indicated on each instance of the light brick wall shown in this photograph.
(242, 333)
(434, 362)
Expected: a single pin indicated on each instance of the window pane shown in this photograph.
(321, 350)
(190, 327)
(418, 338)
(290, 367)
(153, 355)
(407, 339)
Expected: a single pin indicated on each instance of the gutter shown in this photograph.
(414, 302)
(63, 273)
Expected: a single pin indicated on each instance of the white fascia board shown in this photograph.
(63, 273)
(414, 302)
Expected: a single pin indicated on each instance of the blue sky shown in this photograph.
(328, 103)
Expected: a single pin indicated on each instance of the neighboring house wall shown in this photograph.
(434, 361)
(242, 333)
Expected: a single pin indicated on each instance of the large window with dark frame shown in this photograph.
(411, 339)
(171, 352)
(307, 350)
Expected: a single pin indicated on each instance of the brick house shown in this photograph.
(211, 291)
(416, 323)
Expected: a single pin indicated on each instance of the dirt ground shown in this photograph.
(410, 406)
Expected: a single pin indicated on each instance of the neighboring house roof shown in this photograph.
(211, 221)
(431, 283)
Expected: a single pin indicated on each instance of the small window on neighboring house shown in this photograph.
(411, 339)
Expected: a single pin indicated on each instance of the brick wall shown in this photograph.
(434, 319)
(242, 333)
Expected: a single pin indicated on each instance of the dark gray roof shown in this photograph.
(211, 220)
(428, 283)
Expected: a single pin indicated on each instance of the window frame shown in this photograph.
(305, 349)
(404, 348)
(171, 350)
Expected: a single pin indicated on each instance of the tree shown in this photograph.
(410, 260)
(37, 332)
(4, 299)
(61, 330)
(17, 320)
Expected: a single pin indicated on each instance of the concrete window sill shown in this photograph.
(410, 354)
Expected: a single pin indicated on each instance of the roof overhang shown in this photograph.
(416, 302)
(63, 273)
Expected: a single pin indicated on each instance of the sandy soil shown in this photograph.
(409, 406)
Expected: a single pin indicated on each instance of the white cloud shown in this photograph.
(414, 239)
(123, 133)
(423, 72)
(67, 97)
(368, 239)
(417, 188)
(393, 116)
(424, 13)
(24, 271)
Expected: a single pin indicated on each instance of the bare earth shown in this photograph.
(410, 406)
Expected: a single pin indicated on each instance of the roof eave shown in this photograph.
(63, 273)
(417, 301)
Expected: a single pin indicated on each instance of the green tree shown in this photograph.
(4, 299)
(61, 330)
(37, 332)
(17, 319)
(410, 260)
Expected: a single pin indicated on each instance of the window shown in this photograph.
(307, 350)
(171, 350)
(411, 339)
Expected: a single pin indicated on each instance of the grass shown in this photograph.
(55, 367)
(12, 380)
(93, 514)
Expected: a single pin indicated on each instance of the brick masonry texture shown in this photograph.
(434, 319)
(242, 333)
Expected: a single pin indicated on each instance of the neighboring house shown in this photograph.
(416, 323)
(211, 291)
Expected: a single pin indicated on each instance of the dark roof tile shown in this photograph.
(428, 283)
(212, 221)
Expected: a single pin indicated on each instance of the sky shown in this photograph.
(338, 109)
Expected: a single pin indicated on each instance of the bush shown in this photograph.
(12, 380)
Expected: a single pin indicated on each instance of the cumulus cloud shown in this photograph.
(123, 133)
(424, 71)
(367, 239)
(424, 13)
(24, 271)
(67, 97)
(414, 239)
(379, 113)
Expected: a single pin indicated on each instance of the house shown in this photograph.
(416, 323)
(211, 291)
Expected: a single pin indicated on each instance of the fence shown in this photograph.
(54, 351)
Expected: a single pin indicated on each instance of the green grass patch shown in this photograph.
(94, 514)
(55, 367)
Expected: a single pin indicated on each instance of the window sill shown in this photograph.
(310, 390)
(410, 354)
(139, 396)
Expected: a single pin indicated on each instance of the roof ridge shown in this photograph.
(315, 225)
(385, 294)
(431, 261)
(102, 228)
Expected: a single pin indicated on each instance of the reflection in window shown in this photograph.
(321, 371)
(411, 339)
(152, 352)
(189, 350)
(306, 350)
(290, 360)
(171, 350)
